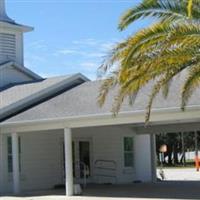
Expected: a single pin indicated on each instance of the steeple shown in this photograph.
(11, 37)
(3, 16)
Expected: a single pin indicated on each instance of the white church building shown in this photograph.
(53, 133)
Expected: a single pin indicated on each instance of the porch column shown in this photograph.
(68, 162)
(15, 163)
(153, 158)
(1, 164)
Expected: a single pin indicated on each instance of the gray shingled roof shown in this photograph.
(21, 91)
(82, 100)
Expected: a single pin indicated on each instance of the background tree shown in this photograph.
(175, 154)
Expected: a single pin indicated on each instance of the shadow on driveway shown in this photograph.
(161, 190)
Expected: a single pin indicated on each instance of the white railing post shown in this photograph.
(68, 162)
(15, 163)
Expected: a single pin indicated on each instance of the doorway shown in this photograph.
(82, 160)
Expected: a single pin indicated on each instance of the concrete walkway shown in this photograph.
(181, 174)
(139, 191)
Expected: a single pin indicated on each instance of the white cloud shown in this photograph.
(40, 44)
(95, 54)
(87, 41)
(67, 51)
(107, 46)
(87, 48)
(89, 53)
(89, 65)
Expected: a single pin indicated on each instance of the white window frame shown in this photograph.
(10, 154)
(133, 151)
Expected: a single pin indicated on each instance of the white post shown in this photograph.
(68, 162)
(1, 164)
(15, 162)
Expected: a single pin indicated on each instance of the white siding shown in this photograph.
(11, 75)
(108, 145)
(143, 158)
(40, 161)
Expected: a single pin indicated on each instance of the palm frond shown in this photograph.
(191, 83)
(166, 10)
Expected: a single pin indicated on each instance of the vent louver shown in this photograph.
(7, 46)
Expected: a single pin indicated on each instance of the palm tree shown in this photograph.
(157, 53)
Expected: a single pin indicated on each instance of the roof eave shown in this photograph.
(17, 27)
(133, 117)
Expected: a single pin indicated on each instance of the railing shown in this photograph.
(106, 168)
(78, 166)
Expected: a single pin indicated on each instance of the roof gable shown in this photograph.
(23, 96)
(12, 73)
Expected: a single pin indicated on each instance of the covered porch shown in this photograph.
(46, 153)
(59, 158)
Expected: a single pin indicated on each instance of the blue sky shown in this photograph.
(70, 36)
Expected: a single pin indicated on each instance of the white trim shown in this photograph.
(123, 152)
(15, 26)
(159, 116)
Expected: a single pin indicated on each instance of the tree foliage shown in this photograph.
(158, 52)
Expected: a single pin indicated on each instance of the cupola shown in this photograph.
(11, 38)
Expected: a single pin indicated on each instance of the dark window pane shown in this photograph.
(128, 144)
(9, 145)
(10, 167)
(128, 159)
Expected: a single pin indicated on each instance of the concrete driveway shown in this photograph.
(181, 174)
(140, 191)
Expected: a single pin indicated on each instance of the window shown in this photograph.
(9, 150)
(128, 152)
